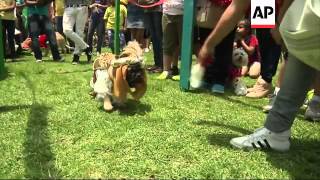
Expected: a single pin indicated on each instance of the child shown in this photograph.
(110, 18)
(249, 43)
(8, 19)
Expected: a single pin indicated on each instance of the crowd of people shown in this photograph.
(220, 29)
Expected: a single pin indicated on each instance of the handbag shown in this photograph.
(208, 13)
(300, 30)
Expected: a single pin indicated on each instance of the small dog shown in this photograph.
(113, 79)
(239, 57)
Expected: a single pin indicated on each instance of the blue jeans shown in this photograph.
(297, 80)
(40, 24)
(153, 22)
(96, 23)
(270, 54)
(111, 40)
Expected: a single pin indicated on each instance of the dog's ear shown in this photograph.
(120, 86)
(124, 71)
(141, 89)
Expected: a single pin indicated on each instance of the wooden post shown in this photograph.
(187, 42)
(117, 28)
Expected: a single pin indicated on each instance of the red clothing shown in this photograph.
(252, 41)
(43, 41)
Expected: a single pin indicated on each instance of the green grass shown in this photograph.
(50, 127)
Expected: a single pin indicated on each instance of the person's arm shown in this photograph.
(248, 48)
(275, 32)
(9, 8)
(232, 15)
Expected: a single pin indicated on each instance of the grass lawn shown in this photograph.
(51, 128)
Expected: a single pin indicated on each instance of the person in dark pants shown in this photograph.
(270, 55)
(97, 23)
(217, 68)
(8, 23)
(39, 23)
(153, 22)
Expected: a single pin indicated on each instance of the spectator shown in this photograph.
(110, 17)
(298, 77)
(249, 43)
(172, 20)
(8, 19)
(76, 15)
(39, 23)
(96, 23)
(153, 18)
(135, 22)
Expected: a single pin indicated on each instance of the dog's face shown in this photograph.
(239, 57)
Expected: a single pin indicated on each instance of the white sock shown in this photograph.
(315, 98)
(276, 90)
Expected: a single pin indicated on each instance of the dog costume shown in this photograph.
(113, 79)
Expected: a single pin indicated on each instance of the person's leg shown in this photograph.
(276, 131)
(254, 71)
(59, 24)
(11, 29)
(270, 54)
(169, 45)
(101, 34)
(268, 107)
(34, 30)
(156, 35)
(296, 83)
(51, 35)
(178, 21)
(93, 24)
(111, 40)
(244, 70)
(122, 40)
(222, 62)
(69, 21)
(313, 110)
(81, 19)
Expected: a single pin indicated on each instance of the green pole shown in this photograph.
(117, 28)
(1, 51)
(187, 41)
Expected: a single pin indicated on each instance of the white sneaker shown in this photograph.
(263, 139)
(38, 60)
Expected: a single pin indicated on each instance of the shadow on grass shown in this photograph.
(134, 107)
(38, 156)
(4, 109)
(226, 96)
(302, 161)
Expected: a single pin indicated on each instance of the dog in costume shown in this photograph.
(114, 78)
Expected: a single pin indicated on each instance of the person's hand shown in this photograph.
(205, 52)
(276, 35)
(93, 5)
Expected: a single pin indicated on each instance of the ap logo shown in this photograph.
(263, 13)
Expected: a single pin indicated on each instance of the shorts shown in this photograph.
(172, 33)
